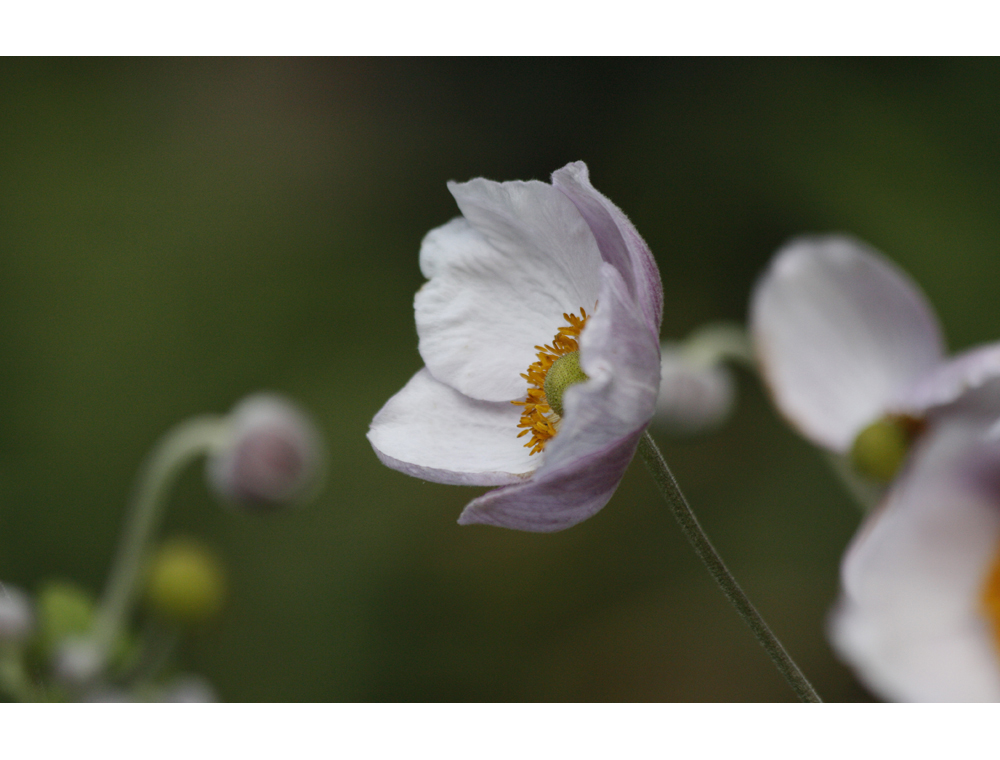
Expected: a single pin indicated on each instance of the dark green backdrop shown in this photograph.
(176, 234)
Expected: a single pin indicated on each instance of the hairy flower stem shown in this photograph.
(706, 553)
(176, 449)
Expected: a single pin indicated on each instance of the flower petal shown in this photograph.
(604, 418)
(839, 331)
(558, 498)
(910, 619)
(499, 282)
(433, 432)
(948, 382)
(619, 241)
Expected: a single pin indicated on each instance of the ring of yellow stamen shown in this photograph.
(989, 598)
(538, 417)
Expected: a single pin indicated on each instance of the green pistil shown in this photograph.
(879, 450)
(564, 372)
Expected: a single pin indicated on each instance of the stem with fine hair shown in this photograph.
(695, 534)
(179, 446)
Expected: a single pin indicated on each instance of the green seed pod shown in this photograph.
(185, 582)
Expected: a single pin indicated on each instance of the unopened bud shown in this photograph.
(17, 618)
(273, 454)
(186, 582)
(64, 610)
(695, 395)
(77, 662)
(189, 688)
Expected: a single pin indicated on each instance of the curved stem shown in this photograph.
(706, 553)
(176, 449)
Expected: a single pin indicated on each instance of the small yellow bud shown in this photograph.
(185, 583)
(879, 450)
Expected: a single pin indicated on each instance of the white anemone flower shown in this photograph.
(540, 318)
(844, 339)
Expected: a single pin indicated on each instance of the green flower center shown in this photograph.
(879, 450)
(563, 373)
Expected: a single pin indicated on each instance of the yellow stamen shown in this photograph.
(990, 598)
(538, 418)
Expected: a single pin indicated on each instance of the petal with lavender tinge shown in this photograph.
(500, 280)
(558, 498)
(839, 331)
(969, 371)
(911, 619)
(619, 241)
(433, 432)
(604, 418)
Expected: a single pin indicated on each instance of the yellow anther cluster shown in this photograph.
(990, 599)
(538, 417)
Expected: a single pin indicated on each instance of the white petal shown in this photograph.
(910, 619)
(433, 432)
(500, 281)
(618, 240)
(839, 332)
(946, 383)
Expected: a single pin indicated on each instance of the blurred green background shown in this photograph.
(176, 234)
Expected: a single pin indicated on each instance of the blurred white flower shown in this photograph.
(845, 340)
(919, 613)
(854, 358)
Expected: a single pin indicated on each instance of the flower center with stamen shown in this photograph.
(557, 368)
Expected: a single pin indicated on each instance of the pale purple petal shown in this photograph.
(604, 418)
(433, 432)
(951, 380)
(839, 332)
(910, 619)
(619, 241)
(500, 281)
(557, 498)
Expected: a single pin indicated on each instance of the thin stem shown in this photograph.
(179, 446)
(715, 342)
(706, 553)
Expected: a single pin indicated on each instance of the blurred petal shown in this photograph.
(598, 434)
(433, 432)
(619, 241)
(499, 282)
(839, 332)
(945, 384)
(910, 620)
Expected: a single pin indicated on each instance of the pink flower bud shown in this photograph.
(273, 455)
